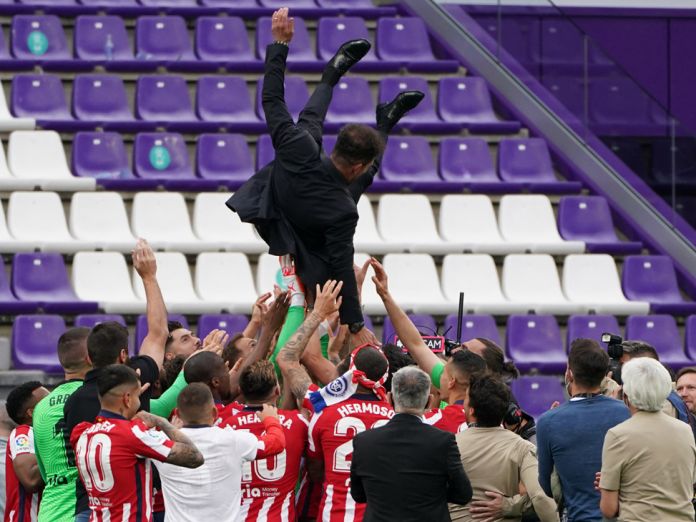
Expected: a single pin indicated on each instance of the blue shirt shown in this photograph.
(571, 438)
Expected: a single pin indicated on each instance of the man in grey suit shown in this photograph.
(408, 470)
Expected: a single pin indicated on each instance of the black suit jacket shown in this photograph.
(300, 203)
(407, 471)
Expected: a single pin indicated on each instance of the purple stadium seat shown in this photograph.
(162, 156)
(425, 323)
(423, 117)
(301, 56)
(224, 40)
(34, 342)
(534, 342)
(39, 96)
(561, 44)
(346, 3)
(277, 4)
(690, 336)
(467, 101)
(9, 304)
(141, 327)
(519, 36)
(163, 38)
(92, 320)
(473, 326)
(110, 3)
(100, 155)
(536, 393)
(332, 32)
(296, 96)
(163, 98)
(39, 38)
(52, 3)
(653, 279)
(468, 160)
(229, 3)
(92, 36)
(169, 3)
(328, 143)
(405, 40)
(264, 151)
(619, 106)
(590, 327)
(351, 103)
(408, 158)
(43, 278)
(224, 157)
(231, 323)
(568, 90)
(225, 99)
(588, 219)
(662, 333)
(101, 97)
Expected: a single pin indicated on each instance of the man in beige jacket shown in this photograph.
(494, 458)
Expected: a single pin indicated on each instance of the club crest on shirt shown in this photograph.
(21, 442)
(337, 387)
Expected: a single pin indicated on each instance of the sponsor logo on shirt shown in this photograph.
(21, 443)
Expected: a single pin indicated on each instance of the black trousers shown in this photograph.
(314, 113)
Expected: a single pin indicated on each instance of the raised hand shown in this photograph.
(360, 273)
(215, 341)
(260, 308)
(327, 300)
(380, 278)
(282, 27)
(150, 420)
(144, 260)
(268, 411)
(364, 336)
(275, 317)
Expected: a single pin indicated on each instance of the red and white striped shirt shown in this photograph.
(450, 418)
(20, 505)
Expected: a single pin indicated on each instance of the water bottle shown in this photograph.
(109, 48)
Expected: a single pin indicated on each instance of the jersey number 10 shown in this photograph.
(93, 461)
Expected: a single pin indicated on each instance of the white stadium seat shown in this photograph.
(367, 237)
(371, 302)
(470, 221)
(532, 281)
(9, 243)
(267, 273)
(529, 220)
(100, 217)
(7, 180)
(593, 280)
(225, 277)
(477, 276)
(39, 217)
(214, 222)
(7, 121)
(37, 157)
(415, 285)
(163, 219)
(104, 277)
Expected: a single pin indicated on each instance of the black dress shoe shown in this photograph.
(389, 114)
(348, 55)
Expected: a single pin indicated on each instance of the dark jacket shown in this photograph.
(300, 203)
(407, 471)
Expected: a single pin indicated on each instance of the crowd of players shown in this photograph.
(259, 426)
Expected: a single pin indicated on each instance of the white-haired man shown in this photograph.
(648, 461)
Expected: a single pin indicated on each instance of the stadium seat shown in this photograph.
(213, 222)
(618, 105)
(163, 98)
(229, 3)
(301, 56)
(532, 280)
(224, 157)
(661, 332)
(225, 41)
(34, 341)
(467, 101)
(473, 326)
(226, 278)
(332, 32)
(101, 98)
(264, 151)
(534, 343)
(277, 4)
(102, 39)
(354, 4)
(39, 217)
(593, 281)
(104, 277)
(405, 40)
(230, 323)
(529, 220)
(43, 278)
(653, 279)
(476, 235)
(100, 218)
(468, 161)
(406, 220)
(296, 96)
(421, 119)
(176, 285)
(163, 157)
(527, 161)
(477, 276)
(421, 294)
(588, 219)
(367, 238)
(9, 243)
(351, 103)
(92, 320)
(141, 327)
(690, 336)
(8, 122)
(9, 304)
(268, 273)
(169, 3)
(39, 96)
(48, 170)
(163, 219)
(536, 393)
(407, 160)
(100, 155)
(370, 300)
(226, 99)
(425, 323)
(39, 38)
(163, 39)
(590, 327)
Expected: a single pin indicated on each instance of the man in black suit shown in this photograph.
(305, 203)
(408, 470)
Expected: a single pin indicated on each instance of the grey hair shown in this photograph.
(646, 383)
(410, 389)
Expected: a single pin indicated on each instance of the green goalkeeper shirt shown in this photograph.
(55, 455)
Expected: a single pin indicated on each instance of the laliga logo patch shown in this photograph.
(22, 442)
(338, 387)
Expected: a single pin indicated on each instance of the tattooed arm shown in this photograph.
(184, 453)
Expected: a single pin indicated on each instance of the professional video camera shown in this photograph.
(615, 350)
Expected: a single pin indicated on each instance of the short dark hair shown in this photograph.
(115, 375)
(18, 398)
(171, 369)
(495, 361)
(192, 401)
(258, 380)
(358, 144)
(639, 349)
(371, 361)
(685, 371)
(467, 364)
(105, 342)
(171, 326)
(71, 348)
(230, 353)
(396, 359)
(588, 362)
(490, 398)
(203, 367)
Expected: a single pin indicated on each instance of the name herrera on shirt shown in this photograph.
(251, 418)
(365, 407)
